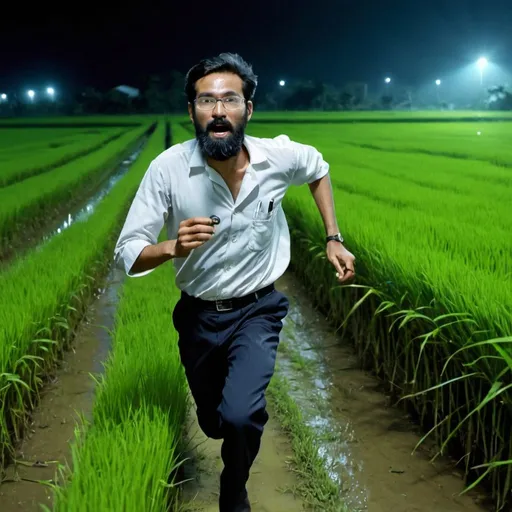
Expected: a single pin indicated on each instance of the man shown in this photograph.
(221, 197)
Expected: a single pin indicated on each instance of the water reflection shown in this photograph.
(82, 213)
(311, 390)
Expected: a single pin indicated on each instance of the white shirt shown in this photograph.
(251, 247)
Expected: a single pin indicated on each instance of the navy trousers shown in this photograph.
(229, 359)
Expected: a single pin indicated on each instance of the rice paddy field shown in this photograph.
(424, 203)
(427, 210)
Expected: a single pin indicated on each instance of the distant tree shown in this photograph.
(116, 102)
(270, 102)
(328, 99)
(346, 100)
(89, 101)
(176, 90)
(301, 95)
(155, 95)
(499, 98)
(358, 91)
(386, 101)
(165, 92)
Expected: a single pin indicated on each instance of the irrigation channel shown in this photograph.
(78, 209)
(364, 443)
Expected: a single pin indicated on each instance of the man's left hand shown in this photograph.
(343, 261)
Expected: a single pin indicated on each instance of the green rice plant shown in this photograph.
(181, 131)
(427, 240)
(483, 141)
(22, 162)
(139, 410)
(45, 294)
(26, 139)
(269, 119)
(431, 313)
(413, 341)
(86, 121)
(30, 202)
(430, 235)
(318, 490)
(380, 116)
(122, 466)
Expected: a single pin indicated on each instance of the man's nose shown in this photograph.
(219, 110)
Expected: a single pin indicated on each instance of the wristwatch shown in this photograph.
(337, 238)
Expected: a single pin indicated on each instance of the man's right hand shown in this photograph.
(192, 233)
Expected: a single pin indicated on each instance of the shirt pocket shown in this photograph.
(262, 231)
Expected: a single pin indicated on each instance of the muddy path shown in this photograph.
(270, 484)
(69, 395)
(76, 209)
(367, 444)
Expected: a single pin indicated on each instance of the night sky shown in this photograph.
(333, 40)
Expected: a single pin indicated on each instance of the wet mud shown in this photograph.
(69, 212)
(366, 443)
(84, 208)
(68, 396)
(270, 485)
(70, 392)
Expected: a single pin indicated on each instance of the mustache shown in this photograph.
(216, 123)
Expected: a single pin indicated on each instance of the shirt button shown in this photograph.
(233, 239)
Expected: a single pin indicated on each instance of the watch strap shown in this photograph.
(336, 238)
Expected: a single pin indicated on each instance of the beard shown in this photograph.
(225, 148)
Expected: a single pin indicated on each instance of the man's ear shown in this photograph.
(190, 112)
(250, 110)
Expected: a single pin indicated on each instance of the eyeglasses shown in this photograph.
(209, 102)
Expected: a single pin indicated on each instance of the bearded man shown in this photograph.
(220, 196)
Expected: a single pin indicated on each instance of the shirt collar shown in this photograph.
(257, 157)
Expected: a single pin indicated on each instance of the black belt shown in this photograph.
(231, 304)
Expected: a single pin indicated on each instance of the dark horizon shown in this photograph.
(333, 41)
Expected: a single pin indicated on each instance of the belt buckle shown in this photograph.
(220, 305)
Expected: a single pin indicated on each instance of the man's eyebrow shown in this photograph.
(225, 93)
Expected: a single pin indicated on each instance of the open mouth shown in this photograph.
(220, 131)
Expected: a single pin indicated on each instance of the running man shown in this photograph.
(220, 196)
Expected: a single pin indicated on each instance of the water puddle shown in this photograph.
(69, 394)
(271, 483)
(85, 208)
(366, 445)
(80, 211)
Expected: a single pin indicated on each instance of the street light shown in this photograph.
(3, 96)
(387, 80)
(31, 94)
(482, 64)
(282, 83)
(50, 91)
(438, 83)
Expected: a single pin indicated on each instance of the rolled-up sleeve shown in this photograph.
(309, 164)
(145, 220)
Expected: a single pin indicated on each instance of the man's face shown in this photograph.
(220, 131)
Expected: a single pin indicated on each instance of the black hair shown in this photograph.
(230, 62)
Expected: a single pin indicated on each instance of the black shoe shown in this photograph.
(245, 506)
(240, 505)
